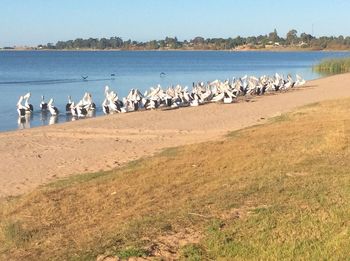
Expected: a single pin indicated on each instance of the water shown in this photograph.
(58, 74)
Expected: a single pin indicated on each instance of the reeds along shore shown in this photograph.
(333, 66)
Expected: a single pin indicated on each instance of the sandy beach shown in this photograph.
(29, 158)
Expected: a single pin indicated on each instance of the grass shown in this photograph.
(279, 191)
(131, 252)
(192, 252)
(15, 234)
(333, 66)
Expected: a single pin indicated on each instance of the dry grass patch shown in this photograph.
(276, 191)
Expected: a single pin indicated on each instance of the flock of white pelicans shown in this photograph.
(172, 97)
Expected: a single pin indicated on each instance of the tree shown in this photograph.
(262, 39)
(291, 37)
(103, 43)
(116, 42)
(198, 40)
(92, 43)
(61, 45)
(238, 41)
(162, 44)
(152, 45)
(333, 42)
(172, 43)
(50, 46)
(306, 38)
(251, 40)
(78, 43)
(273, 36)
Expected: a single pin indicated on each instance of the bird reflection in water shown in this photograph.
(24, 122)
(53, 119)
(43, 118)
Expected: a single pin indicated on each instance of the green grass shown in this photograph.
(81, 178)
(131, 252)
(276, 191)
(15, 234)
(170, 152)
(333, 66)
(192, 252)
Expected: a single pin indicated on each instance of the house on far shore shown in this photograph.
(272, 44)
(302, 44)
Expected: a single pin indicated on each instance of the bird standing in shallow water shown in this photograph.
(20, 108)
(53, 110)
(29, 107)
(43, 104)
(68, 105)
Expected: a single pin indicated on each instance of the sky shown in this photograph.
(33, 22)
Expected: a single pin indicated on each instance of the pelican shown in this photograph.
(29, 107)
(73, 110)
(219, 97)
(20, 108)
(87, 102)
(43, 104)
(81, 110)
(300, 81)
(225, 91)
(229, 97)
(124, 108)
(105, 106)
(53, 110)
(68, 105)
(195, 101)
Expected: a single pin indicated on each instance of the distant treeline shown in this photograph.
(271, 40)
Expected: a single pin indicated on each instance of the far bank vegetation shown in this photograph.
(268, 41)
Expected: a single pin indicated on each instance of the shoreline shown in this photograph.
(178, 50)
(240, 99)
(32, 157)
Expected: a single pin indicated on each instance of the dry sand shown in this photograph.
(36, 156)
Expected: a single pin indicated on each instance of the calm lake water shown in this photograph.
(58, 74)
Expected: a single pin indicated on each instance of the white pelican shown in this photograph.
(300, 81)
(195, 101)
(73, 110)
(229, 96)
(20, 108)
(87, 102)
(105, 106)
(53, 110)
(43, 104)
(68, 105)
(29, 107)
(218, 97)
(81, 111)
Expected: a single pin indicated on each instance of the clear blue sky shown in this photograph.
(32, 22)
